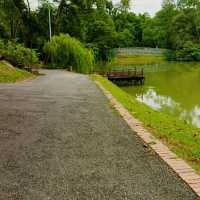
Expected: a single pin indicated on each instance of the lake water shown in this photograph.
(172, 88)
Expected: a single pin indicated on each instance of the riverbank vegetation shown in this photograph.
(181, 137)
(138, 59)
(10, 74)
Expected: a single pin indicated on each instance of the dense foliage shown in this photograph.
(65, 51)
(103, 26)
(17, 54)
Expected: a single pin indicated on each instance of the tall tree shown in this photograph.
(125, 4)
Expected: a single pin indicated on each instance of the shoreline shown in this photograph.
(179, 166)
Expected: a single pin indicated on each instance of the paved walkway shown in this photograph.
(60, 140)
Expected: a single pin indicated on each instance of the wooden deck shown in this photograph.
(130, 76)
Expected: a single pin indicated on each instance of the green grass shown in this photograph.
(180, 137)
(123, 62)
(138, 59)
(10, 74)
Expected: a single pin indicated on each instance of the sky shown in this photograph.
(142, 6)
(138, 6)
(150, 6)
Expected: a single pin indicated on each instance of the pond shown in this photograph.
(172, 88)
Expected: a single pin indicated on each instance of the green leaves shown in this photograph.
(17, 54)
(189, 52)
(65, 51)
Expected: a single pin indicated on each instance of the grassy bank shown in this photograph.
(138, 59)
(182, 138)
(124, 62)
(10, 74)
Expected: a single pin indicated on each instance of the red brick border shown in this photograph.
(182, 169)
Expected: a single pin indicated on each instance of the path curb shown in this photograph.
(180, 167)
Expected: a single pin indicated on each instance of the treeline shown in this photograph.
(101, 26)
(177, 27)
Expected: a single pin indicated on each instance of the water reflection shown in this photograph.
(166, 104)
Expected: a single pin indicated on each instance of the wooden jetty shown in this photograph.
(130, 76)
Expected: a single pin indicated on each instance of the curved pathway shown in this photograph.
(60, 139)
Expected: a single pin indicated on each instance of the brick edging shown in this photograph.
(180, 167)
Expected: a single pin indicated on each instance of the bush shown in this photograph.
(17, 54)
(102, 55)
(66, 51)
(170, 55)
(189, 52)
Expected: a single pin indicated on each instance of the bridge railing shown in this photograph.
(133, 72)
(139, 51)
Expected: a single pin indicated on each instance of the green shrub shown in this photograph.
(65, 51)
(189, 52)
(17, 54)
(170, 55)
(102, 55)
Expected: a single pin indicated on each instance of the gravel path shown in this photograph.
(61, 140)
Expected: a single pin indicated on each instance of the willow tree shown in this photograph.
(65, 51)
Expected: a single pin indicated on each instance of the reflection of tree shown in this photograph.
(141, 91)
(192, 117)
(168, 105)
(174, 89)
(157, 102)
(180, 82)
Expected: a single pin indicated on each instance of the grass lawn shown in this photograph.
(129, 61)
(180, 137)
(138, 59)
(10, 74)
